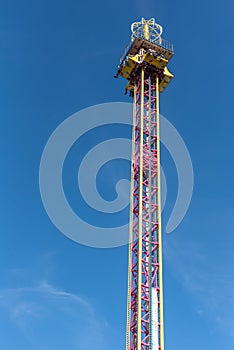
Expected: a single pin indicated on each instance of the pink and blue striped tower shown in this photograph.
(144, 65)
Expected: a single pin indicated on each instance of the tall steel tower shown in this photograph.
(144, 65)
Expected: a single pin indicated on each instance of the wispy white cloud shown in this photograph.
(54, 317)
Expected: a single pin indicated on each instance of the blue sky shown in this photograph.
(57, 57)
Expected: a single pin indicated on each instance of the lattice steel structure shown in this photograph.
(144, 65)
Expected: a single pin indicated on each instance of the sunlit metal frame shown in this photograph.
(145, 289)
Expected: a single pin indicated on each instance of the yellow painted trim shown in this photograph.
(159, 222)
(130, 228)
(140, 215)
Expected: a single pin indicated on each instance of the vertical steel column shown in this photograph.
(140, 221)
(130, 247)
(131, 339)
(145, 294)
(160, 274)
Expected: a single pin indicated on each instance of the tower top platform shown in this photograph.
(146, 49)
(147, 35)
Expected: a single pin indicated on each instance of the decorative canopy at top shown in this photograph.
(147, 29)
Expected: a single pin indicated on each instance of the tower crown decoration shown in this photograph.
(147, 29)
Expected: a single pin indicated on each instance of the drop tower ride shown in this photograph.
(144, 65)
